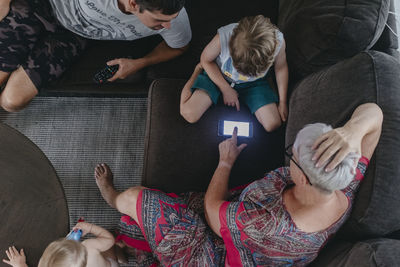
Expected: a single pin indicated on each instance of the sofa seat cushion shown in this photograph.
(181, 157)
(330, 96)
(320, 33)
(78, 79)
(372, 252)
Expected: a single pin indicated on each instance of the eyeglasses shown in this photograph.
(289, 154)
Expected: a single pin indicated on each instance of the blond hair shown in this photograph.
(64, 253)
(252, 45)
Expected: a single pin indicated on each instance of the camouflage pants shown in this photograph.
(31, 37)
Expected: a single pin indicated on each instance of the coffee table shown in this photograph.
(33, 208)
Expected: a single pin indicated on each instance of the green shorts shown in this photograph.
(255, 94)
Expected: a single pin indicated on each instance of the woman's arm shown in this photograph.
(103, 241)
(360, 135)
(282, 77)
(217, 191)
(207, 60)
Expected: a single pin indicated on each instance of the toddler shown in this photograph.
(235, 64)
(69, 253)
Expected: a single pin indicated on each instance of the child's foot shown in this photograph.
(104, 181)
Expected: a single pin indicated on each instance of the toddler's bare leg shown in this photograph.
(268, 116)
(193, 106)
(186, 92)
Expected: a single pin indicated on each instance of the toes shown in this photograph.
(97, 171)
(106, 168)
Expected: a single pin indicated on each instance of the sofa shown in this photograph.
(340, 54)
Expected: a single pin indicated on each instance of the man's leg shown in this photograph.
(18, 92)
(124, 202)
(3, 77)
(268, 116)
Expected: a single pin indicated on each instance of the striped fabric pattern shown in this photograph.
(76, 133)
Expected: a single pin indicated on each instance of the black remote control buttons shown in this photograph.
(105, 74)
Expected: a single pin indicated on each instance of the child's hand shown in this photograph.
(84, 226)
(283, 110)
(231, 98)
(15, 258)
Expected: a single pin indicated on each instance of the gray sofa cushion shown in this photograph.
(388, 41)
(320, 33)
(78, 79)
(330, 96)
(373, 252)
(181, 157)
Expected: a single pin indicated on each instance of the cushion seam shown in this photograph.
(148, 130)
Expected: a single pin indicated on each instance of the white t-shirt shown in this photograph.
(103, 20)
(224, 59)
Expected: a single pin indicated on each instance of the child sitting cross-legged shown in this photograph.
(93, 252)
(235, 64)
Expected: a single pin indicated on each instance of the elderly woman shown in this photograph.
(284, 218)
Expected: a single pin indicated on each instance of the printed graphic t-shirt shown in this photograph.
(103, 20)
(224, 59)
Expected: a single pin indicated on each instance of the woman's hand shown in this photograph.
(283, 110)
(126, 67)
(340, 141)
(4, 8)
(15, 258)
(229, 151)
(231, 97)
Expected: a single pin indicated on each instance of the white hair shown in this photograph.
(337, 179)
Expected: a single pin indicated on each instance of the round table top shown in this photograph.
(33, 207)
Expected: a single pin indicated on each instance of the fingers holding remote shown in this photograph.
(126, 67)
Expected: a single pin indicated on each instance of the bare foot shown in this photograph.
(104, 181)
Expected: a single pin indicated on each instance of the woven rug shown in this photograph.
(76, 133)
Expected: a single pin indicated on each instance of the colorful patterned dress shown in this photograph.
(256, 228)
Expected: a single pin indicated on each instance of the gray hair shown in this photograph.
(327, 182)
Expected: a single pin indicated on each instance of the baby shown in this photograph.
(235, 64)
(90, 252)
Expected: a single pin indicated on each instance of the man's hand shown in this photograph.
(15, 258)
(340, 141)
(229, 151)
(231, 98)
(126, 67)
(283, 110)
(4, 8)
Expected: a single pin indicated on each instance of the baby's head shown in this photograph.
(252, 45)
(64, 253)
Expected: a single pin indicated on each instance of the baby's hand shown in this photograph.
(231, 98)
(84, 226)
(15, 258)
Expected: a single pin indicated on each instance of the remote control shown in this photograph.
(105, 74)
